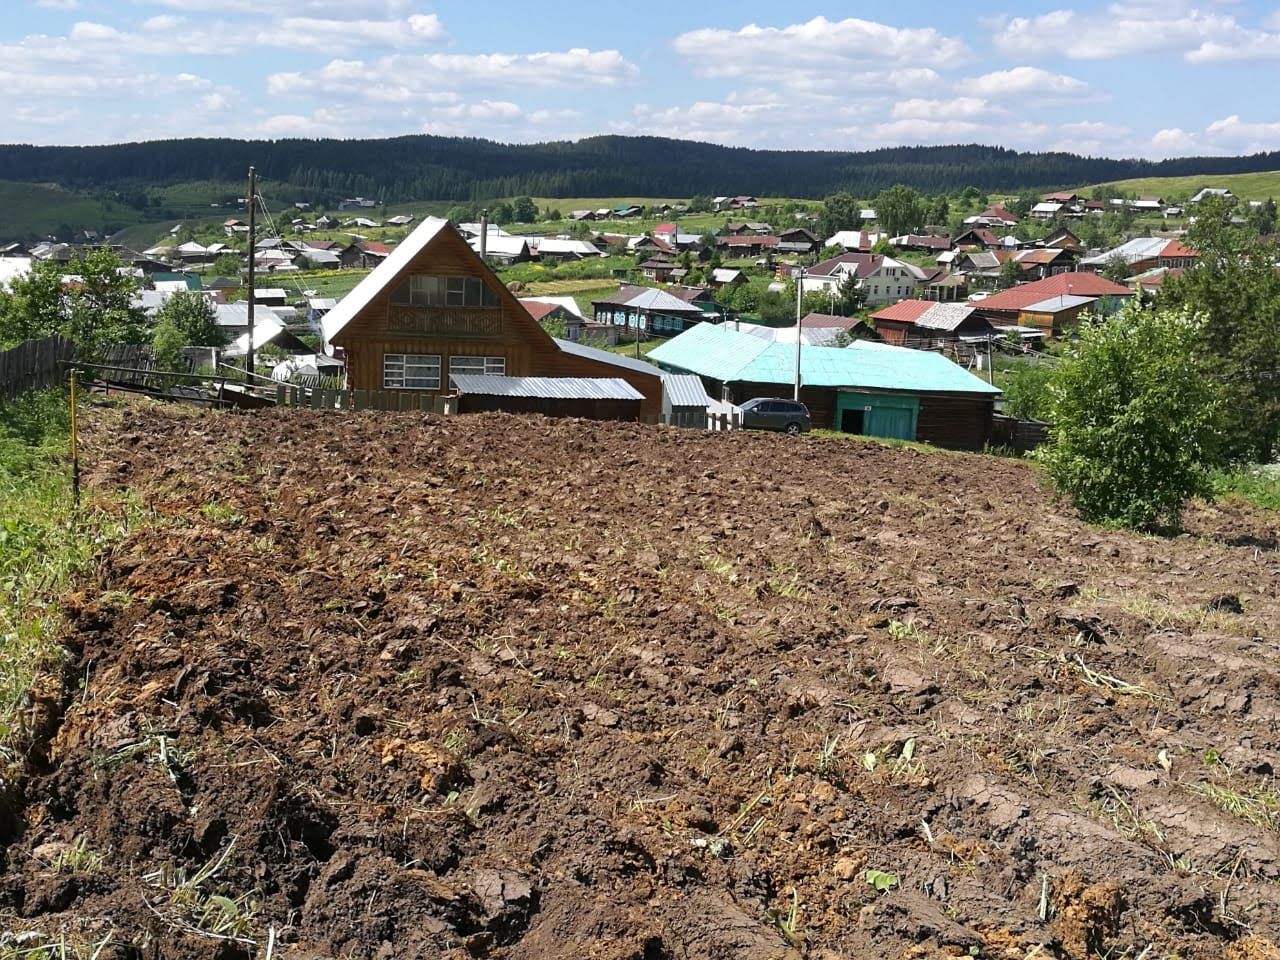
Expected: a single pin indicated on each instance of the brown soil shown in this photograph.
(517, 688)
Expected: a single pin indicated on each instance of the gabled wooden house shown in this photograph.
(433, 308)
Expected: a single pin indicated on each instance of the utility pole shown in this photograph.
(253, 203)
(799, 301)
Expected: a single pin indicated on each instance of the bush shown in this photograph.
(1136, 419)
(1026, 389)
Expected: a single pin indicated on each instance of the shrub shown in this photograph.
(1136, 419)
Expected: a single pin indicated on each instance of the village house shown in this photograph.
(648, 311)
(867, 387)
(1054, 305)
(924, 323)
(433, 309)
(883, 279)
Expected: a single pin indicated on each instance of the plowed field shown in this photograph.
(387, 685)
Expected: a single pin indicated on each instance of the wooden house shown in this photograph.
(433, 308)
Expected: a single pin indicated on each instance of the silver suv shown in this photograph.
(769, 413)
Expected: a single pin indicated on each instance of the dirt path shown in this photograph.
(517, 688)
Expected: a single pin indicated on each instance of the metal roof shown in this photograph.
(1140, 248)
(558, 388)
(685, 390)
(605, 356)
(727, 355)
(383, 274)
(1057, 304)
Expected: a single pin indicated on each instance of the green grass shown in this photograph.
(1259, 486)
(44, 541)
(1246, 186)
(38, 209)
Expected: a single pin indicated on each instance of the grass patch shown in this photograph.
(44, 541)
(1259, 486)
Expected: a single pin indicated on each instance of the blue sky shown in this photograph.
(1131, 78)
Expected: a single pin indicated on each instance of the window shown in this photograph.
(445, 292)
(409, 371)
(486, 366)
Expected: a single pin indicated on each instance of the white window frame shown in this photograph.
(410, 371)
(483, 366)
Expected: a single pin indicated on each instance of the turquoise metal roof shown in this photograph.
(718, 352)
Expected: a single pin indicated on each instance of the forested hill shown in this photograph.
(447, 168)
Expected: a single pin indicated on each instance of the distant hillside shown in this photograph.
(1246, 186)
(444, 168)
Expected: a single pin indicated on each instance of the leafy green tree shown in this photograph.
(1116, 268)
(700, 204)
(524, 210)
(227, 265)
(93, 307)
(167, 342)
(1136, 418)
(936, 210)
(1010, 274)
(1263, 217)
(1236, 287)
(194, 318)
(899, 210)
(1026, 390)
(840, 211)
(502, 212)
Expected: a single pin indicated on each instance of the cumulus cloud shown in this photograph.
(1028, 81)
(959, 108)
(1250, 137)
(1133, 28)
(403, 77)
(816, 46)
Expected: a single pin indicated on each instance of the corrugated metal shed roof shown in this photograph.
(685, 390)
(556, 388)
(1057, 304)
(723, 354)
(604, 356)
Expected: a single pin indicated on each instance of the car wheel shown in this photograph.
(793, 429)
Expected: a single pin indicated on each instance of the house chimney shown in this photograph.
(484, 234)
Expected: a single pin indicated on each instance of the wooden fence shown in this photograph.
(33, 364)
(290, 395)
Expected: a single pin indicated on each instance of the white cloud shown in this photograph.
(1249, 137)
(300, 33)
(58, 4)
(404, 77)
(959, 108)
(316, 8)
(816, 46)
(1133, 28)
(1027, 81)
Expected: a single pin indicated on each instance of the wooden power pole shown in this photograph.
(253, 203)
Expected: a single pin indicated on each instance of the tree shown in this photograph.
(1010, 274)
(167, 342)
(899, 210)
(524, 210)
(502, 212)
(94, 310)
(194, 318)
(1136, 418)
(840, 211)
(700, 204)
(1026, 390)
(1116, 269)
(936, 210)
(1235, 286)
(1262, 218)
(227, 265)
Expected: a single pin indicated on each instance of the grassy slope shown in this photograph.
(43, 542)
(38, 209)
(1246, 186)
